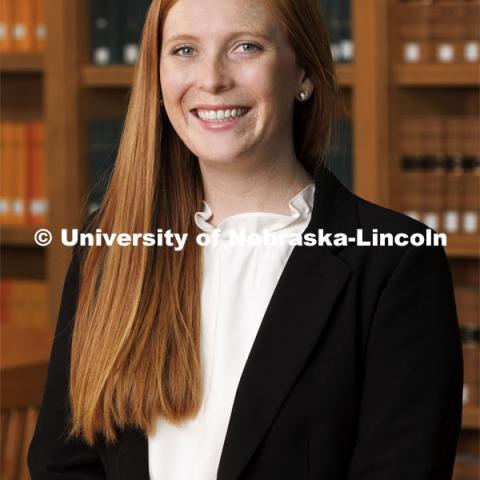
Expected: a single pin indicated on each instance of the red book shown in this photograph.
(36, 179)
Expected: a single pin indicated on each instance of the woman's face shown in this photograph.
(229, 79)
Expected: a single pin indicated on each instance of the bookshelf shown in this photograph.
(431, 89)
(63, 87)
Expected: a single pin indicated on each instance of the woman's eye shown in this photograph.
(183, 51)
(247, 47)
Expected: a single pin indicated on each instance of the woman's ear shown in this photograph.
(305, 88)
(306, 82)
(308, 85)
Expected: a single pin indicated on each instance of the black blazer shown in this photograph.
(356, 371)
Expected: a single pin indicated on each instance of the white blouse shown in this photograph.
(238, 283)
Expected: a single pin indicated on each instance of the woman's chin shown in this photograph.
(220, 157)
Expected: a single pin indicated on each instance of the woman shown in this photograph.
(223, 362)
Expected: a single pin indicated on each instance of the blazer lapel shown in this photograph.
(299, 308)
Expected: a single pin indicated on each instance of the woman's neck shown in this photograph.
(268, 188)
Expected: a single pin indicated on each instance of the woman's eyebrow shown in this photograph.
(186, 36)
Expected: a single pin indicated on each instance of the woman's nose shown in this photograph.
(214, 74)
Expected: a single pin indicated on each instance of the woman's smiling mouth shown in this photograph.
(219, 118)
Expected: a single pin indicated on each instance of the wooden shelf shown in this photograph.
(24, 346)
(345, 75)
(463, 246)
(13, 236)
(22, 63)
(471, 417)
(431, 75)
(121, 76)
(114, 76)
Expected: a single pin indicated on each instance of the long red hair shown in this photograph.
(136, 342)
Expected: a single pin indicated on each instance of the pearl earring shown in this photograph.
(302, 95)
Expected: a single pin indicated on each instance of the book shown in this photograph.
(468, 305)
(133, 16)
(471, 197)
(434, 164)
(471, 32)
(340, 157)
(453, 194)
(440, 165)
(471, 381)
(447, 32)
(5, 163)
(37, 197)
(411, 185)
(19, 176)
(40, 25)
(338, 20)
(6, 25)
(23, 26)
(455, 175)
(413, 22)
(345, 32)
(412, 173)
(23, 188)
(105, 32)
(103, 140)
(433, 189)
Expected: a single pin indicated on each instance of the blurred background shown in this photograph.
(407, 137)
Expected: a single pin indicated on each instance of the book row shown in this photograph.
(442, 193)
(450, 135)
(440, 169)
(23, 182)
(24, 303)
(438, 32)
(23, 170)
(22, 26)
(116, 28)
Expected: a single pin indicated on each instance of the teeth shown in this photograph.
(221, 115)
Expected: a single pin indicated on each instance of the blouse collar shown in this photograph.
(300, 210)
